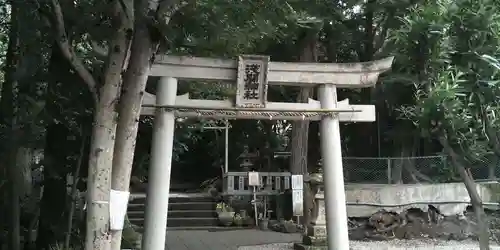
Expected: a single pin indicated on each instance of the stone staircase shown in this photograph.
(186, 211)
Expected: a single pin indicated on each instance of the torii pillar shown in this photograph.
(328, 76)
(333, 173)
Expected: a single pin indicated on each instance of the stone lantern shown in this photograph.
(247, 159)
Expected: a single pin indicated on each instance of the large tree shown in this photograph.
(456, 85)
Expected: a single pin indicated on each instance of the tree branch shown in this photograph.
(101, 51)
(490, 133)
(384, 28)
(475, 198)
(167, 9)
(62, 41)
(462, 171)
(164, 13)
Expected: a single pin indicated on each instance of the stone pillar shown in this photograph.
(159, 171)
(333, 174)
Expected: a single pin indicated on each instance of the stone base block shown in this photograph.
(316, 230)
(300, 246)
(314, 240)
(315, 235)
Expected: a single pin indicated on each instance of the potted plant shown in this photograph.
(263, 222)
(238, 220)
(225, 213)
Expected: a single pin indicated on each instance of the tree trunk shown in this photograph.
(366, 132)
(470, 185)
(134, 85)
(74, 190)
(58, 151)
(8, 106)
(100, 166)
(408, 163)
(98, 235)
(135, 79)
(368, 49)
(313, 148)
(415, 174)
(53, 201)
(300, 129)
(105, 116)
(399, 164)
(24, 163)
(492, 168)
(15, 212)
(397, 171)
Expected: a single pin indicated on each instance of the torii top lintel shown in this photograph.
(343, 75)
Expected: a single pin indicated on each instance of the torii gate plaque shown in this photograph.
(252, 75)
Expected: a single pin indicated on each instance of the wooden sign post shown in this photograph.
(254, 182)
(298, 196)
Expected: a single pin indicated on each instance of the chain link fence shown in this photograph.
(486, 168)
(406, 170)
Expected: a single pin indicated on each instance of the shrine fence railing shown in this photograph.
(236, 183)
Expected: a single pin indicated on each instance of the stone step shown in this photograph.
(204, 228)
(174, 198)
(182, 222)
(178, 206)
(178, 214)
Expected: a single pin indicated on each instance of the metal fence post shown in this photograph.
(389, 171)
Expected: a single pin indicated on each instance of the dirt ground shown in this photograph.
(389, 245)
(389, 226)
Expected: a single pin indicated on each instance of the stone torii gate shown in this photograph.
(252, 75)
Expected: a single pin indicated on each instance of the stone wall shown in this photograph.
(448, 198)
(407, 211)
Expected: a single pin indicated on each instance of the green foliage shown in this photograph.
(4, 19)
(455, 45)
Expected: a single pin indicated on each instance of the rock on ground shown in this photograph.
(389, 245)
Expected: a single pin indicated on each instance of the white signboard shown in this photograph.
(118, 201)
(251, 91)
(297, 201)
(253, 179)
(297, 182)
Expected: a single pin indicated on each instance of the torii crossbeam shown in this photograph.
(252, 75)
